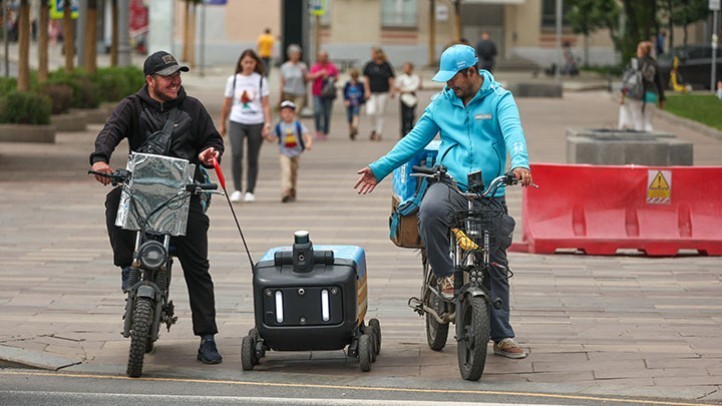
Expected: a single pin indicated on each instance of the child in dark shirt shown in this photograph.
(353, 99)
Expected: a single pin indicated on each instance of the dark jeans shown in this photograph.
(408, 115)
(322, 113)
(436, 216)
(192, 251)
(267, 66)
(238, 132)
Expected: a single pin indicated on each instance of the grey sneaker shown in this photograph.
(510, 349)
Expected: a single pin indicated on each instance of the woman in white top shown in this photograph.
(246, 102)
(407, 84)
(293, 78)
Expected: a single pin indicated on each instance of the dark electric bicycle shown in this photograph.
(154, 203)
(472, 239)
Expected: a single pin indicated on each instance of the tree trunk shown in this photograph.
(586, 50)
(90, 63)
(24, 46)
(114, 33)
(186, 29)
(43, 41)
(457, 21)
(68, 36)
(432, 33)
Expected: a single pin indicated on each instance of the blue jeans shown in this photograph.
(436, 216)
(351, 112)
(322, 113)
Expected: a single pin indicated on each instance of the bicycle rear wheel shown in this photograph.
(473, 320)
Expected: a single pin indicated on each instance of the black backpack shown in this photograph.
(158, 143)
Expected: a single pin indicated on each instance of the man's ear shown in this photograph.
(472, 69)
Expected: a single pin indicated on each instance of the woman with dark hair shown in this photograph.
(246, 105)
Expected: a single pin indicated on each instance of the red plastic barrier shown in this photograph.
(601, 209)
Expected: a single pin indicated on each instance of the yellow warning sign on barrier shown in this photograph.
(659, 187)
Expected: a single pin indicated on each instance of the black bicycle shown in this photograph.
(471, 241)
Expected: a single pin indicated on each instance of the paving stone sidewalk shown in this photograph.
(623, 325)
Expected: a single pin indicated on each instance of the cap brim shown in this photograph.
(443, 76)
(172, 69)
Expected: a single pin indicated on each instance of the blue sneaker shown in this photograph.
(125, 279)
(208, 353)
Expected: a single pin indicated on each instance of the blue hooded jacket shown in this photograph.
(473, 137)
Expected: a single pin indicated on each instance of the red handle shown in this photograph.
(219, 173)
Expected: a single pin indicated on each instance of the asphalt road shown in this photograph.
(20, 388)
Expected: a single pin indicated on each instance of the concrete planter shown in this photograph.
(94, 116)
(69, 122)
(612, 147)
(27, 133)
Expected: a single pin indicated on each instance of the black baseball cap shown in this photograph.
(162, 63)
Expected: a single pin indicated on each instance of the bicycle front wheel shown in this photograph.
(139, 335)
(436, 333)
(473, 320)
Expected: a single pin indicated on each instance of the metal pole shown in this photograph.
(715, 25)
(80, 32)
(203, 40)
(123, 33)
(559, 57)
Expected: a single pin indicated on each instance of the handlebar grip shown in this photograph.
(423, 170)
(208, 186)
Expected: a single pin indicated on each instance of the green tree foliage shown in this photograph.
(588, 16)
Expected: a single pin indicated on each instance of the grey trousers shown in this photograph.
(237, 132)
(436, 216)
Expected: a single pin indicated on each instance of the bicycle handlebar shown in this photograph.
(123, 175)
(438, 172)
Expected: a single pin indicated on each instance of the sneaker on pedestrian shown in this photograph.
(510, 349)
(125, 279)
(236, 196)
(286, 199)
(446, 287)
(372, 137)
(207, 352)
(249, 197)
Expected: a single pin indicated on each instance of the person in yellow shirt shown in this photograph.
(266, 41)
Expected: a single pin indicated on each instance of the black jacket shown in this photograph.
(137, 116)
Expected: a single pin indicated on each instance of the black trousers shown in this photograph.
(191, 250)
(408, 115)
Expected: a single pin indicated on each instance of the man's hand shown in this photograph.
(206, 157)
(524, 175)
(367, 181)
(103, 167)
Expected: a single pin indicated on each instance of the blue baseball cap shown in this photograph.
(455, 58)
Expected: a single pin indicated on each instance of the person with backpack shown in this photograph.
(293, 138)
(642, 88)
(323, 76)
(246, 106)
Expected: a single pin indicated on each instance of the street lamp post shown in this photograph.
(714, 5)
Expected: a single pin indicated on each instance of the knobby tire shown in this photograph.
(139, 335)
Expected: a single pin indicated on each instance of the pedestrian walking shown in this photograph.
(486, 50)
(247, 109)
(293, 78)
(379, 85)
(642, 89)
(293, 139)
(407, 85)
(265, 45)
(324, 75)
(353, 99)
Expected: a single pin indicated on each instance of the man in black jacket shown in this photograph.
(194, 138)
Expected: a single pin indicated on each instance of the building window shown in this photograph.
(399, 13)
(549, 14)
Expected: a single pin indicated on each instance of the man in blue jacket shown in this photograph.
(478, 123)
